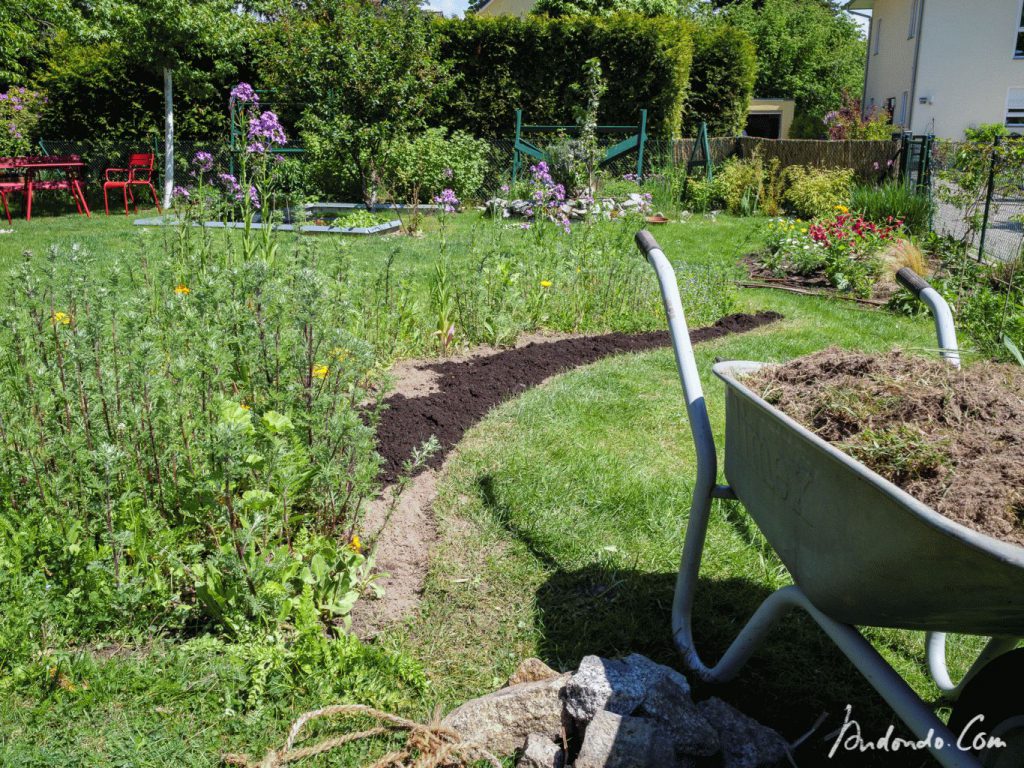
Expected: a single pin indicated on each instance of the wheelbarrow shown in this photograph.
(861, 551)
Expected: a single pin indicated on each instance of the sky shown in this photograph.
(458, 7)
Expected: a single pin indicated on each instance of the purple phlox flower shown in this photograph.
(559, 192)
(630, 177)
(889, 164)
(830, 117)
(180, 191)
(447, 200)
(876, 165)
(244, 93)
(538, 195)
(525, 225)
(230, 182)
(255, 148)
(204, 161)
(266, 129)
(504, 187)
(21, 90)
(18, 107)
(449, 173)
(254, 198)
(528, 212)
(3, 96)
(278, 158)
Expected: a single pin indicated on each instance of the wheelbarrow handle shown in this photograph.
(945, 330)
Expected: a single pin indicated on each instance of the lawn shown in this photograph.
(562, 518)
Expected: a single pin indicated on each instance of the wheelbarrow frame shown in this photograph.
(914, 712)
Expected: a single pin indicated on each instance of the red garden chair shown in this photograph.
(139, 174)
(6, 187)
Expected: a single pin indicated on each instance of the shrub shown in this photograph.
(848, 122)
(420, 168)
(815, 192)
(893, 200)
(739, 185)
(19, 117)
(506, 63)
(721, 80)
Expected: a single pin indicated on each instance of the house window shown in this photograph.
(1015, 109)
(915, 9)
(1018, 52)
(878, 35)
(903, 108)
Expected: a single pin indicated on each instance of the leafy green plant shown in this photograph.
(20, 110)
(893, 200)
(416, 169)
(813, 192)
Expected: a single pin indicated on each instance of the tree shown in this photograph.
(370, 74)
(807, 50)
(555, 8)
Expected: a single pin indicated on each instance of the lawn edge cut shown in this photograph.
(404, 537)
(467, 390)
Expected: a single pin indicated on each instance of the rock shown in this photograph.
(541, 752)
(502, 720)
(520, 207)
(669, 704)
(618, 685)
(616, 741)
(745, 742)
(530, 671)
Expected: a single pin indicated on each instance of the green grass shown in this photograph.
(577, 497)
(562, 518)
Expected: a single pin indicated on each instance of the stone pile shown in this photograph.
(613, 713)
(573, 208)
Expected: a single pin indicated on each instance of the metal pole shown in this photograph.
(640, 148)
(990, 189)
(515, 146)
(168, 137)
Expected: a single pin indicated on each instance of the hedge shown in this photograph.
(722, 80)
(535, 63)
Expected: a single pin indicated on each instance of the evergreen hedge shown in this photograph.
(721, 81)
(535, 63)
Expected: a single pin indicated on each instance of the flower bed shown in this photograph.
(845, 252)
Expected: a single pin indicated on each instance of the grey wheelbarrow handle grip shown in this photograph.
(944, 328)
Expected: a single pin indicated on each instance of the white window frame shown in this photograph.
(915, 10)
(1018, 110)
(878, 35)
(1020, 30)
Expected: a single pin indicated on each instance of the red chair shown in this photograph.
(6, 187)
(139, 173)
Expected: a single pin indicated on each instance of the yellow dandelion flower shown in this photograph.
(545, 283)
(182, 290)
(803, 230)
(60, 318)
(355, 544)
(320, 371)
(842, 209)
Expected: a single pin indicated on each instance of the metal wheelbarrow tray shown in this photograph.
(861, 551)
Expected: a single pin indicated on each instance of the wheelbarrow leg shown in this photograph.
(935, 645)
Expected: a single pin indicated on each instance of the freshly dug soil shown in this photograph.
(467, 390)
(953, 439)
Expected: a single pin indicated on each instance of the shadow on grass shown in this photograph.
(795, 676)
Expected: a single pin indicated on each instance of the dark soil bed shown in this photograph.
(953, 439)
(467, 390)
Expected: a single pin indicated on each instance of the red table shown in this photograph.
(30, 167)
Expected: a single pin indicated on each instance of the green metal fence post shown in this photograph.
(640, 146)
(989, 191)
(515, 150)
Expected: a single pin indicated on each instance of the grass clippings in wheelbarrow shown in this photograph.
(954, 439)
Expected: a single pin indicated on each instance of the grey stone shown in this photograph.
(745, 742)
(669, 703)
(618, 685)
(616, 741)
(502, 720)
(530, 671)
(541, 752)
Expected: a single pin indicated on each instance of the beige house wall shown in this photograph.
(785, 108)
(506, 8)
(967, 65)
(890, 71)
